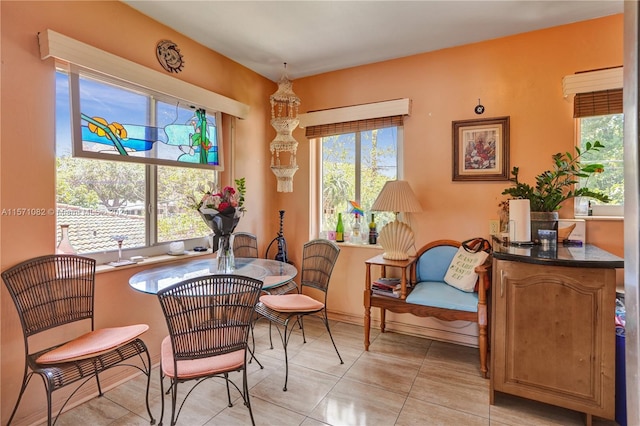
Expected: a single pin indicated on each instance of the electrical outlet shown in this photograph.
(494, 227)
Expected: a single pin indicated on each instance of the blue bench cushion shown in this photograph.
(442, 295)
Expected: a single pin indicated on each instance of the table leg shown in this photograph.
(383, 313)
(367, 324)
(367, 306)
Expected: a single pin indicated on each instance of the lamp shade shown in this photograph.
(396, 196)
(396, 238)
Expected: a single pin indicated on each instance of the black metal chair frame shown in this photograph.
(208, 316)
(318, 259)
(52, 291)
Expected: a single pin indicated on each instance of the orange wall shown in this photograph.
(518, 76)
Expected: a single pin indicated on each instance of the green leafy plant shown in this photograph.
(557, 185)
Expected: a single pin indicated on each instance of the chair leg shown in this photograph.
(174, 400)
(482, 348)
(49, 407)
(326, 324)
(270, 339)
(285, 341)
(161, 396)
(147, 372)
(245, 396)
(300, 319)
(226, 379)
(97, 378)
(253, 345)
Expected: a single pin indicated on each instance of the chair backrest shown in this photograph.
(245, 245)
(52, 290)
(318, 259)
(209, 315)
(434, 260)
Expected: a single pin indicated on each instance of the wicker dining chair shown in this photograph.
(285, 310)
(208, 318)
(50, 292)
(245, 244)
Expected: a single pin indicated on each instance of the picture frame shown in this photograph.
(481, 149)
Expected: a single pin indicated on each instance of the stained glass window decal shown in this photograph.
(116, 122)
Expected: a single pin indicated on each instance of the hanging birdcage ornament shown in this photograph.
(284, 119)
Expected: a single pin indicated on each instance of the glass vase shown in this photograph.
(64, 246)
(226, 260)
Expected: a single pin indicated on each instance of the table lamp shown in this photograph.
(396, 238)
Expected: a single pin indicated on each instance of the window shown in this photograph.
(356, 149)
(600, 118)
(100, 198)
(608, 129)
(354, 167)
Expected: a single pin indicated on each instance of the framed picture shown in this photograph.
(481, 149)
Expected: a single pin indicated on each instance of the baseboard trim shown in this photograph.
(409, 329)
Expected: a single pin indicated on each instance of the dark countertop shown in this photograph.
(586, 256)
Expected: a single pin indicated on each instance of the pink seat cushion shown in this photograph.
(291, 302)
(199, 367)
(92, 344)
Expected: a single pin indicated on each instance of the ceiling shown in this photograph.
(314, 37)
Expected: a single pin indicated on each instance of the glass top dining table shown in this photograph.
(272, 273)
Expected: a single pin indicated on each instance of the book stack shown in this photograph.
(384, 286)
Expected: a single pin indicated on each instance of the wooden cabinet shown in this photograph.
(553, 334)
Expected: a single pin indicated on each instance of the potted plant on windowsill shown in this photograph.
(555, 186)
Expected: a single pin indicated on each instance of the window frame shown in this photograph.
(601, 211)
(152, 246)
(316, 183)
(596, 92)
(382, 109)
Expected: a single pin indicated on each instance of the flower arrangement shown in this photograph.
(221, 210)
(555, 186)
(213, 201)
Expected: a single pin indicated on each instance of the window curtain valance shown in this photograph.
(356, 118)
(352, 126)
(597, 92)
(71, 51)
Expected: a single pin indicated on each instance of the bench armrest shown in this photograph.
(484, 280)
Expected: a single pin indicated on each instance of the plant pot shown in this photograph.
(542, 220)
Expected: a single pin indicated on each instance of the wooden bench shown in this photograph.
(429, 295)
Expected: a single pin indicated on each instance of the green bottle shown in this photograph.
(373, 233)
(339, 230)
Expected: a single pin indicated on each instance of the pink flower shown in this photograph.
(213, 200)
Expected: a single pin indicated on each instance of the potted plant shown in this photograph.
(557, 185)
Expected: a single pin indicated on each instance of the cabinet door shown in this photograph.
(554, 335)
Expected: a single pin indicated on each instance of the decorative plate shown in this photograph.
(169, 56)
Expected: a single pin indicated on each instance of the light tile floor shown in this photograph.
(401, 380)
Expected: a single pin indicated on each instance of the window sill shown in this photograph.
(602, 218)
(370, 246)
(153, 260)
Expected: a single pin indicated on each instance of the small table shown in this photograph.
(383, 302)
(272, 272)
